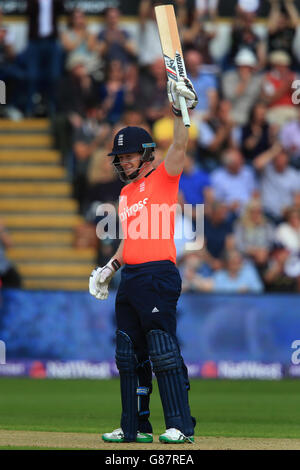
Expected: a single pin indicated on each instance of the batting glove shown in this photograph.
(183, 87)
(100, 279)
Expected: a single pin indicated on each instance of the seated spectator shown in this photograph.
(205, 83)
(216, 133)
(114, 43)
(234, 183)
(103, 183)
(194, 184)
(282, 26)
(91, 134)
(154, 100)
(148, 42)
(112, 92)
(289, 137)
(277, 89)
(44, 53)
(243, 36)
(242, 86)
(279, 182)
(238, 276)
(275, 277)
(195, 273)
(257, 135)
(288, 232)
(254, 234)
(218, 232)
(163, 130)
(77, 39)
(9, 275)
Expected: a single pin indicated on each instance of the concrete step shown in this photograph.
(56, 270)
(29, 156)
(25, 140)
(38, 205)
(35, 189)
(41, 221)
(39, 238)
(51, 254)
(56, 284)
(34, 172)
(25, 125)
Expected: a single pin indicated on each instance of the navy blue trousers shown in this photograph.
(147, 300)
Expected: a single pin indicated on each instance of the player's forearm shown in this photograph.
(181, 134)
(119, 253)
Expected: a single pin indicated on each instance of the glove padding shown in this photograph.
(99, 281)
(183, 87)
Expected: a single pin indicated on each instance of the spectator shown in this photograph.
(290, 140)
(216, 133)
(11, 72)
(218, 232)
(277, 89)
(279, 182)
(257, 135)
(103, 184)
(198, 36)
(254, 235)
(205, 83)
(76, 93)
(282, 25)
(44, 54)
(275, 277)
(207, 9)
(238, 276)
(243, 36)
(114, 42)
(235, 182)
(195, 273)
(194, 184)
(9, 275)
(112, 92)
(242, 86)
(87, 138)
(154, 100)
(149, 48)
(288, 232)
(77, 39)
(163, 130)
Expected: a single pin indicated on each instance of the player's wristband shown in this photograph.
(115, 264)
(176, 111)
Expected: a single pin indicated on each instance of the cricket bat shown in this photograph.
(172, 52)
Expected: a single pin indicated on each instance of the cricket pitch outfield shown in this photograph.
(72, 414)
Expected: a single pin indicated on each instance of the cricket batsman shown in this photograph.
(150, 283)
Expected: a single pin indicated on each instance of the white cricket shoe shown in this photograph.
(174, 436)
(118, 436)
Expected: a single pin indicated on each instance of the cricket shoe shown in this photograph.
(174, 436)
(118, 436)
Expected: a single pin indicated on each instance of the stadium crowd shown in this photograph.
(243, 157)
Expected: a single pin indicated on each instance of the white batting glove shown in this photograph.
(183, 87)
(100, 279)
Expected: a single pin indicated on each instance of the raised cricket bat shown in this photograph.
(172, 52)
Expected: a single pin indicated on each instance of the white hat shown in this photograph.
(245, 57)
(279, 58)
(249, 6)
(76, 59)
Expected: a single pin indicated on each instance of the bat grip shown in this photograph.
(184, 111)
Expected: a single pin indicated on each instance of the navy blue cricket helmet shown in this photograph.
(128, 140)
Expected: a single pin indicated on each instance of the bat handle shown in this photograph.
(184, 112)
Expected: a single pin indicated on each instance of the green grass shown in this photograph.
(222, 408)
